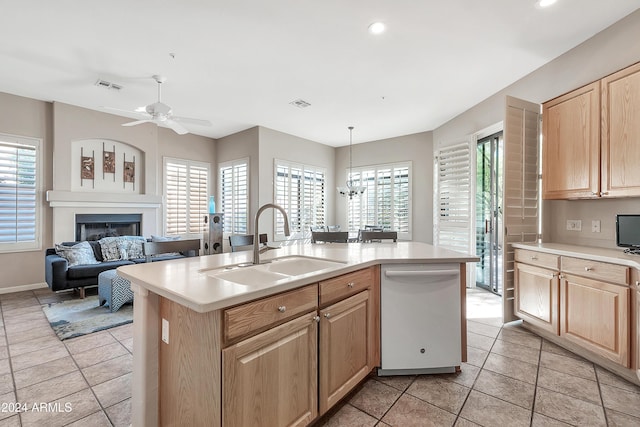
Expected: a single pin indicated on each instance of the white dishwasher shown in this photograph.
(420, 318)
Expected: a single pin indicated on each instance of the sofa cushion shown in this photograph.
(92, 270)
(79, 254)
(121, 247)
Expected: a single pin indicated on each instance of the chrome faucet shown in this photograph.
(256, 234)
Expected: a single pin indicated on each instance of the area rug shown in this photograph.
(77, 317)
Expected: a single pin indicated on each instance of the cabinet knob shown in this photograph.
(350, 284)
(595, 193)
(327, 315)
(588, 269)
(282, 309)
(316, 318)
(533, 257)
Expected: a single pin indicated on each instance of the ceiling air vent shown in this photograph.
(300, 103)
(107, 85)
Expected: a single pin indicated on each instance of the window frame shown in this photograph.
(233, 228)
(205, 202)
(303, 231)
(36, 144)
(375, 169)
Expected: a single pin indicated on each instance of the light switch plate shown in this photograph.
(574, 225)
(165, 331)
(595, 226)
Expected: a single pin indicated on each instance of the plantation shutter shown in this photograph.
(186, 196)
(521, 186)
(301, 191)
(452, 221)
(18, 194)
(234, 196)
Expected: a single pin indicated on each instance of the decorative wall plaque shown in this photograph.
(86, 167)
(108, 161)
(129, 171)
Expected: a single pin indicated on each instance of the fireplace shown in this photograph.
(97, 226)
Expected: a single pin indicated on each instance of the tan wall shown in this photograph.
(608, 51)
(30, 118)
(417, 148)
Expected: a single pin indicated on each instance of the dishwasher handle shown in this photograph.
(420, 273)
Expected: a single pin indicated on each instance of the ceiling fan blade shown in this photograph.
(190, 121)
(120, 110)
(177, 127)
(138, 122)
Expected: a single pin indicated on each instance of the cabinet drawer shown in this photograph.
(261, 314)
(345, 285)
(611, 273)
(539, 259)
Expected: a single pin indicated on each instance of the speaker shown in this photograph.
(213, 225)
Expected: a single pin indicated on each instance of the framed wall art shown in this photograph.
(87, 167)
(109, 161)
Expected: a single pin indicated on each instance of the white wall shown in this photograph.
(417, 148)
(608, 51)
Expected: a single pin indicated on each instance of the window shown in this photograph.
(300, 190)
(186, 189)
(233, 179)
(19, 188)
(387, 200)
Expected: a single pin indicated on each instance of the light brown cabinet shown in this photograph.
(590, 139)
(271, 379)
(537, 296)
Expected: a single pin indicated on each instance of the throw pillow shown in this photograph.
(81, 253)
(109, 247)
(130, 247)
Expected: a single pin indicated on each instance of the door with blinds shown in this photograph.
(521, 187)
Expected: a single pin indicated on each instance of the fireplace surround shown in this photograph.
(97, 226)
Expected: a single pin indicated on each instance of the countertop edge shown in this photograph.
(613, 256)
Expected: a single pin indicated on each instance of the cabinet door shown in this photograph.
(571, 145)
(271, 378)
(536, 296)
(595, 315)
(621, 133)
(345, 333)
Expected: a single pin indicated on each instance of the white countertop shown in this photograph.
(615, 256)
(186, 282)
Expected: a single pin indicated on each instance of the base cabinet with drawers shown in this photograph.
(284, 360)
(585, 302)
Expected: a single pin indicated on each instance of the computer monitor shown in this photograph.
(628, 231)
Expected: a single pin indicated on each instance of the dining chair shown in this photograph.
(319, 228)
(236, 241)
(373, 228)
(333, 227)
(378, 236)
(329, 236)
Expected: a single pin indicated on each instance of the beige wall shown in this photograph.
(612, 49)
(417, 148)
(28, 117)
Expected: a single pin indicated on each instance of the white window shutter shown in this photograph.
(452, 219)
(234, 196)
(521, 186)
(186, 185)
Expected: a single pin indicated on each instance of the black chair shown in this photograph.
(378, 236)
(373, 228)
(333, 228)
(317, 228)
(236, 241)
(329, 236)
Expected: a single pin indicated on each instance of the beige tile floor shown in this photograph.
(512, 378)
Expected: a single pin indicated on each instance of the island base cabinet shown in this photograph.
(345, 357)
(271, 379)
(536, 296)
(594, 315)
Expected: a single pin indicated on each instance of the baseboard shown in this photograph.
(22, 288)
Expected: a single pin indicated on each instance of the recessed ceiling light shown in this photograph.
(377, 28)
(545, 3)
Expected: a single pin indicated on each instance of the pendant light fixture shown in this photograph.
(351, 189)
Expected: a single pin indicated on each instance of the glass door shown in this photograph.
(489, 186)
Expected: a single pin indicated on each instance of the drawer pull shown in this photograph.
(316, 318)
(350, 284)
(588, 269)
(533, 257)
(282, 309)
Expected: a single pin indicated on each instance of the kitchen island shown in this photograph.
(219, 319)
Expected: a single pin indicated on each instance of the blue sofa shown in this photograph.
(60, 276)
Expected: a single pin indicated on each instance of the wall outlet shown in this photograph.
(165, 331)
(595, 226)
(574, 225)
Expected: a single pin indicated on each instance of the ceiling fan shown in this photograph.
(161, 114)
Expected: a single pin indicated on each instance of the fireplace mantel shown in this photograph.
(67, 204)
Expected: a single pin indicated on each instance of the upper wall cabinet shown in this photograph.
(621, 133)
(591, 144)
